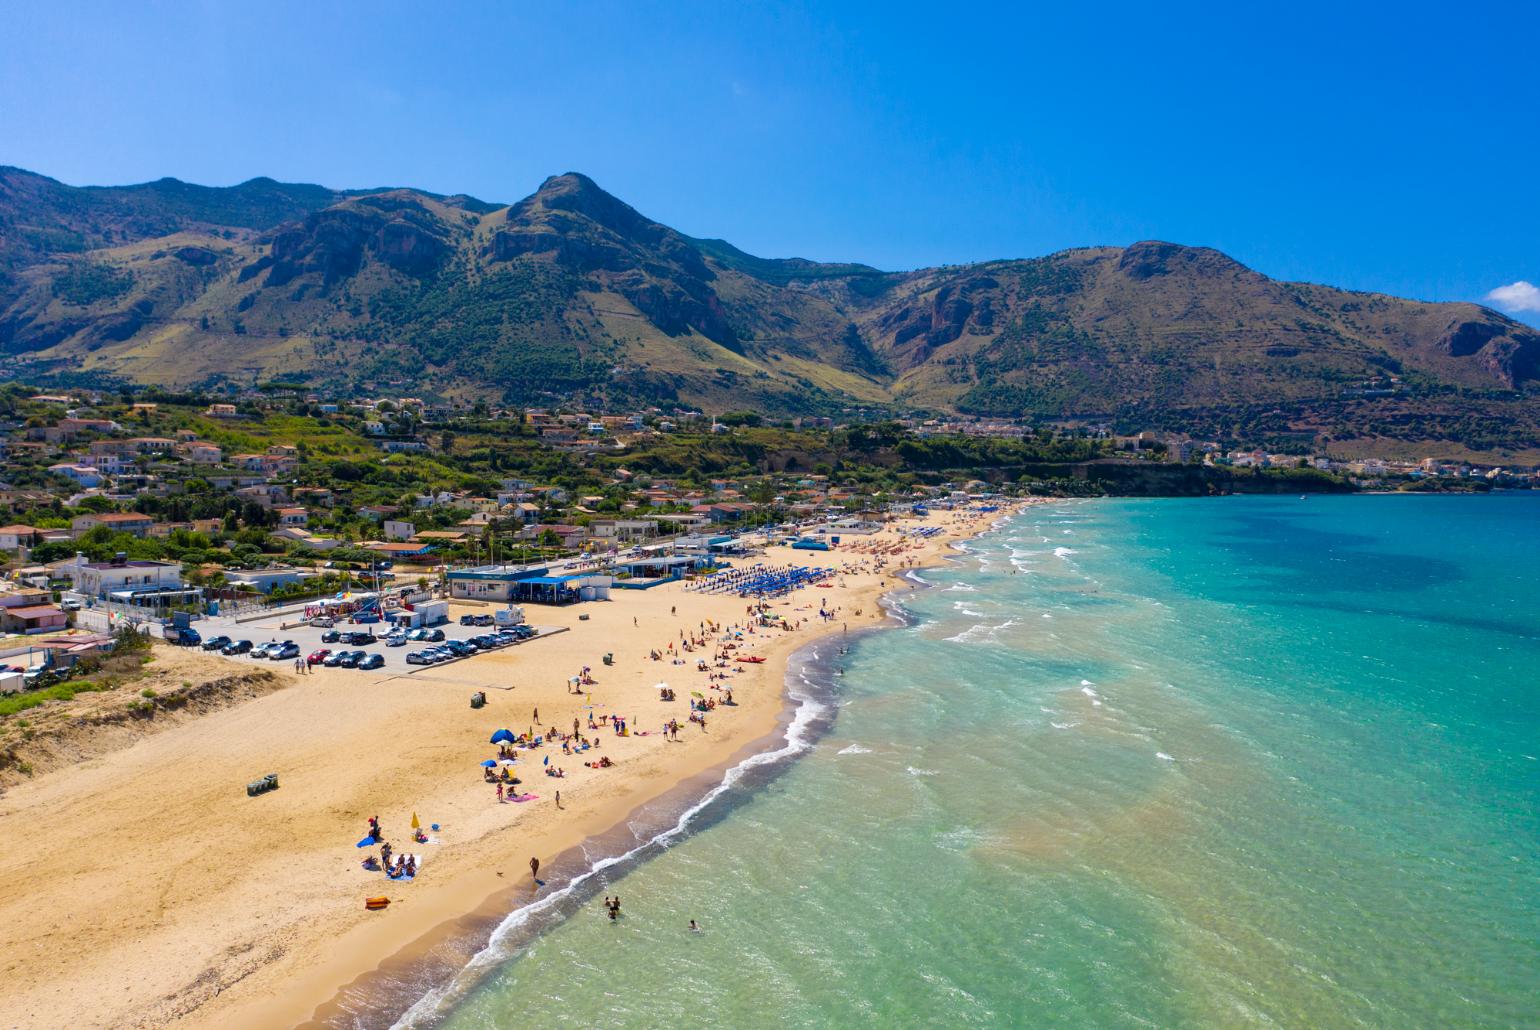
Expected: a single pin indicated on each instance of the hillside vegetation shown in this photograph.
(570, 295)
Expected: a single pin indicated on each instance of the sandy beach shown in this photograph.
(145, 889)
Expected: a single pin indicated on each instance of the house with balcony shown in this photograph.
(117, 521)
(147, 584)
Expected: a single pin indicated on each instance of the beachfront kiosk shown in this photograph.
(527, 584)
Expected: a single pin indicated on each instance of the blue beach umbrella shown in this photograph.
(488, 763)
(502, 737)
(547, 760)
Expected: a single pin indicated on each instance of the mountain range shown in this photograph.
(572, 295)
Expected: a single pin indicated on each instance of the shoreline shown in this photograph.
(251, 912)
(690, 798)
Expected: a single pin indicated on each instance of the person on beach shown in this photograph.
(499, 792)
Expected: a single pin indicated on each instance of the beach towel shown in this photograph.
(521, 798)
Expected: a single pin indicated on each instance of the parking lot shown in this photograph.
(308, 639)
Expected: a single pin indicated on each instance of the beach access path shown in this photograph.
(144, 888)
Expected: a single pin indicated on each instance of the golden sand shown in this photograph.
(144, 888)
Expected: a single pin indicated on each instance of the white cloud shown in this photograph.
(1519, 296)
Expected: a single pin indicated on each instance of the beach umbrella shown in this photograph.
(488, 763)
(696, 693)
(502, 737)
(547, 760)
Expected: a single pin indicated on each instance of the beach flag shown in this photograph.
(415, 824)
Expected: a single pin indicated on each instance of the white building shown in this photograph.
(153, 583)
(395, 530)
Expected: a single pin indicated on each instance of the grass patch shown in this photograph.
(58, 692)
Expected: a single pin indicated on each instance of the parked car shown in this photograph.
(483, 620)
(434, 635)
(461, 648)
(417, 634)
(334, 659)
(362, 638)
(323, 621)
(287, 649)
(317, 657)
(236, 647)
(467, 620)
(418, 658)
(372, 661)
(215, 643)
(331, 636)
(70, 604)
(395, 638)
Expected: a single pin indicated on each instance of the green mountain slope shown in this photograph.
(572, 294)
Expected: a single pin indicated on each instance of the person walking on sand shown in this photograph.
(499, 792)
(558, 799)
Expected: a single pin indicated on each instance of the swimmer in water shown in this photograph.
(694, 926)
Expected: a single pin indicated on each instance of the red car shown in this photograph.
(317, 657)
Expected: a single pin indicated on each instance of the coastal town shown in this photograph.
(476, 701)
(122, 510)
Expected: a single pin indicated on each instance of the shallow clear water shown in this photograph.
(1242, 761)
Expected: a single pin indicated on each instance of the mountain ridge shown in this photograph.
(572, 294)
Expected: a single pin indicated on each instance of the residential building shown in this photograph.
(264, 580)
(150, 583)
(85, 475)
(117, 521)
(14, 538)
(305, 538)
(266, 494)
(397, 530)
(201, 452)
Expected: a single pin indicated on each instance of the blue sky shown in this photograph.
(1384, 147)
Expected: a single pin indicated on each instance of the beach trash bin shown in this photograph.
(609, 659)
(262, 786)
(478, 699)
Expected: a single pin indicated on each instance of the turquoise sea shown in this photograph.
(1175, 763)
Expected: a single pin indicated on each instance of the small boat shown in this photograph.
(754, 658)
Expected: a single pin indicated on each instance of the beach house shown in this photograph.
(140, 583)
